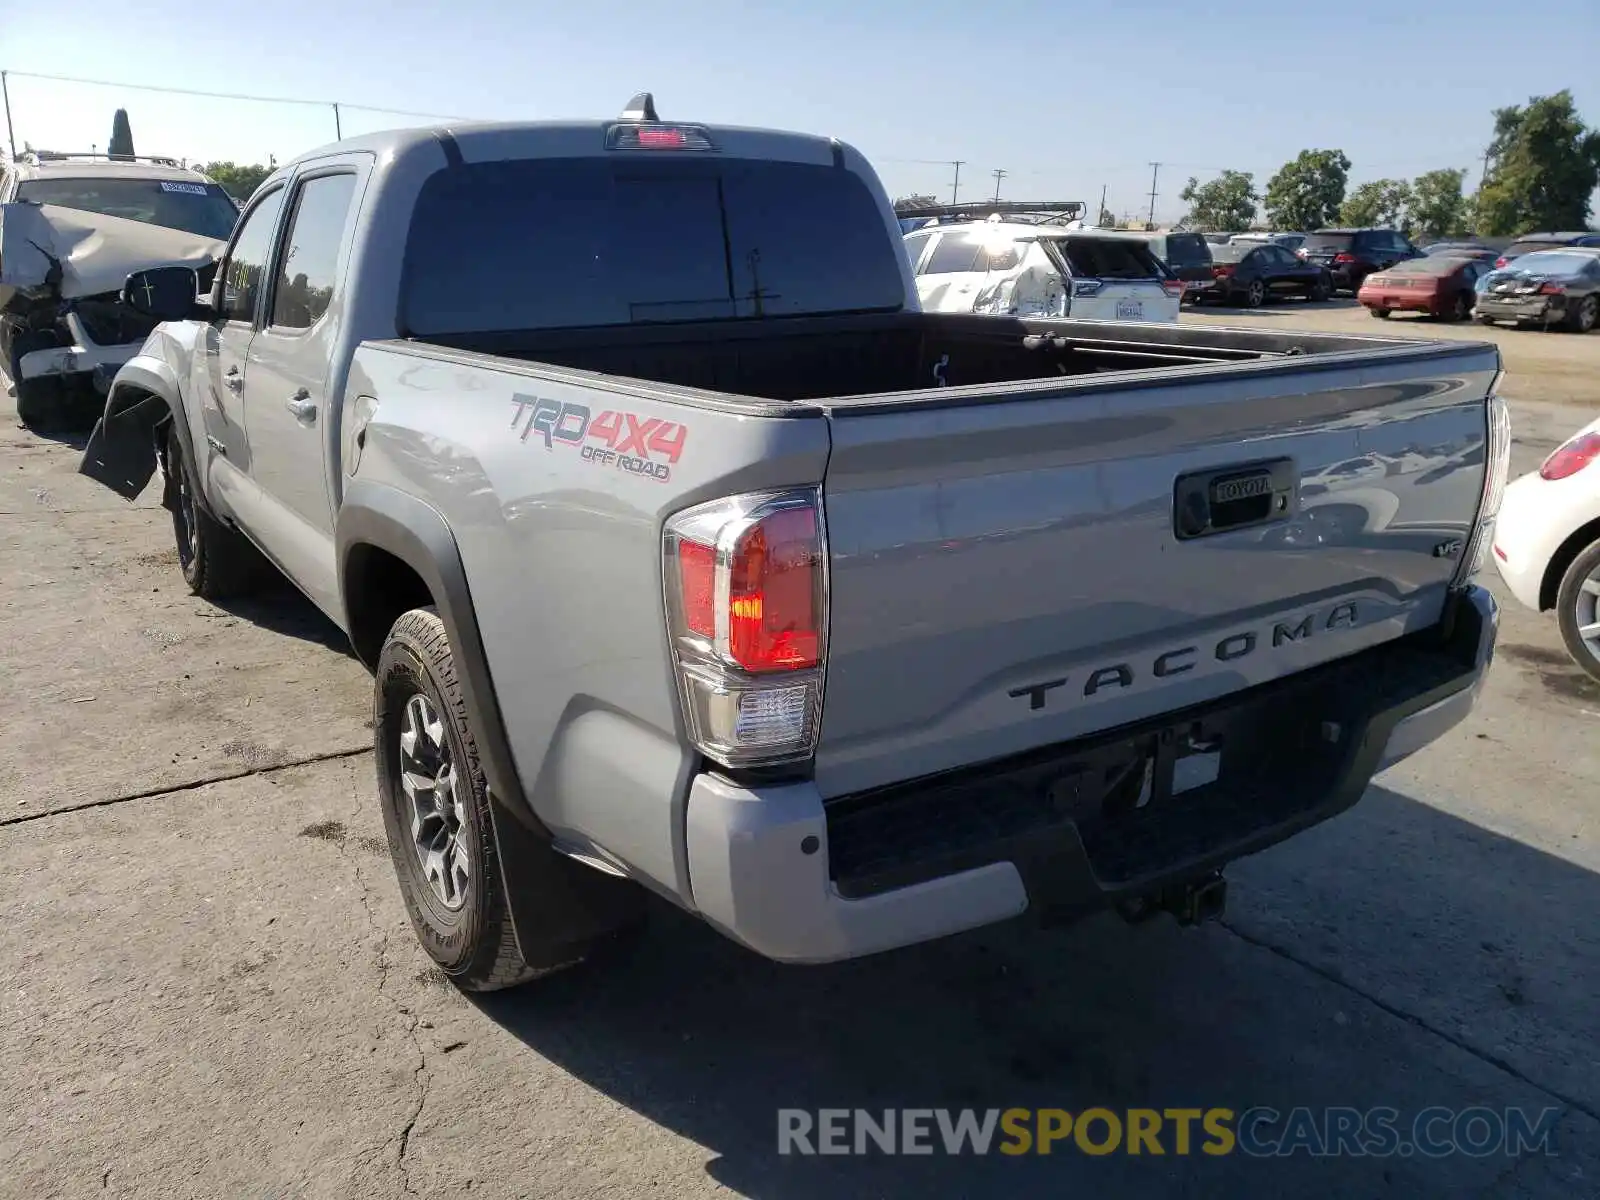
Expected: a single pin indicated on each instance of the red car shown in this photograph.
(1440, 286)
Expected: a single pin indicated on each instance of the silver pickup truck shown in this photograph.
(691, 558)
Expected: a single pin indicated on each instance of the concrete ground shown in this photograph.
(213, 989)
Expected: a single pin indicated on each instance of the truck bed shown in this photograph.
(848, 359)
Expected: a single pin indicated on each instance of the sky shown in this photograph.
(1066, 98)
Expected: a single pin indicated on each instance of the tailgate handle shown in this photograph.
(1233, 497)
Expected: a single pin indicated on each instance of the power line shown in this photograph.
(176, 91)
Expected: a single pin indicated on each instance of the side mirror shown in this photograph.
(167, 293)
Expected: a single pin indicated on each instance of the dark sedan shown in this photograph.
(1251, 272)
(1532, 243)
(1547, 287)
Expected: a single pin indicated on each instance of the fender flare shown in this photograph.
(121, 451)
(559, 908)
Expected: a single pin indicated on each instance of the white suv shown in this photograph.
(1034, 270)
(72, 228)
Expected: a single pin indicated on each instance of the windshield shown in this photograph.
(558, 243)
(1329, 241)
(1554, 262)
(194, 207)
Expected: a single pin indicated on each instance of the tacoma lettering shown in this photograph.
(1175, 662)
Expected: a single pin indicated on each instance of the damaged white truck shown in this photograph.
(72, 228)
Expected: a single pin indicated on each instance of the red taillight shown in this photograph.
(1572, 457)
(747, 606)
(1344, 258)
(1173, 287)
(1221, 272)
(1500, 262)
(773, 585)
(697, 575)
(1552, 289)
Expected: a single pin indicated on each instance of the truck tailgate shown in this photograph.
(1009, 572)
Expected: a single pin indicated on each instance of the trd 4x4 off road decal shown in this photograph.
(624, 441)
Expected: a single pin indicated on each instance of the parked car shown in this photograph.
(72, 226)
(1547, 287)
(1289, 241)
(643, 443)
(1547, 543)
(1017, 269)
(1530, 243)
(1351, 255)
(1437, 285)
(1188, 256)
(1251, 273)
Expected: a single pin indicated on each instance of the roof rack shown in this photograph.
(1037, 212)
(44, 156)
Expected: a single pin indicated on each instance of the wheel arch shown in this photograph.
(394, 548)
(1575, 544)
(121, 451)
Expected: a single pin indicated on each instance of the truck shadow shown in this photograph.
(1397, 956)
(280, 607)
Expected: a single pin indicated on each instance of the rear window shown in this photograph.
(1234, 251)
(1554, 262)
(1109, 258)
(1187, 250)
(1530, 247)
(558, 243)
(189, 205)
(1329, 241)
(1440, 264)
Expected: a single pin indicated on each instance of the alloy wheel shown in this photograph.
(434, 806)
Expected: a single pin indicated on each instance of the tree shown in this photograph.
(239, 180)
(1226, 204)
(1307, 192)
(1108, 219)
(1438, 207)
(1545, 164)
(121, 144)
(1377, 202)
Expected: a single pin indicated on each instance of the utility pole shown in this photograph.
(1155, 171)
(10, 135)
(998, 176)
(955, 187)
(1102, 204)
(338, 126)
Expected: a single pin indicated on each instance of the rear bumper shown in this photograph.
(1400, 302)
(1543, 309)
(800, 880)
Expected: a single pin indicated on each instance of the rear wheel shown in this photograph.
(1462, 309)
(1321, 290)
(1256, 294)
(1585, 315)
(217, 562)
(1381, 313)
(1578, 610)
(436, 813)
(42, 402)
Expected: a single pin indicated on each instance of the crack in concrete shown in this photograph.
(409, 1020)
(169, 789)
(1572, 1103)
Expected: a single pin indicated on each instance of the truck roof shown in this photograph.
(493, 141)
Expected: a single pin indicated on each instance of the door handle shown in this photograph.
(302, 406)
(234, 380)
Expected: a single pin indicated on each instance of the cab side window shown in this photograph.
(247, 262)
(310, 262)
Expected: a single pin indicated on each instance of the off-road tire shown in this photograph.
(476, 945)
(217, 562)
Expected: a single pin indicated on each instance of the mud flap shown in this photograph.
(561, 910)
(121, 451)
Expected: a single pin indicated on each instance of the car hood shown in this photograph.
(48, 252)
